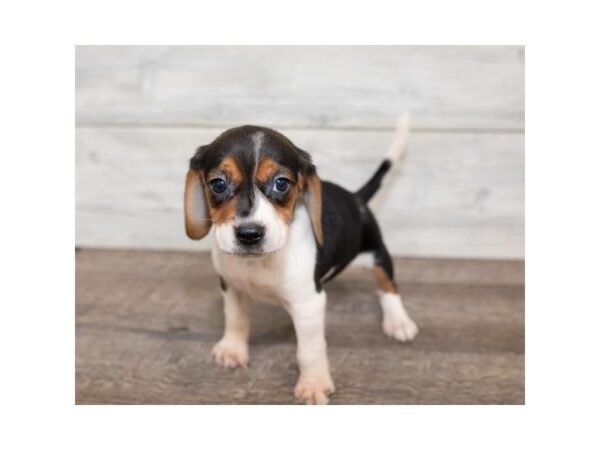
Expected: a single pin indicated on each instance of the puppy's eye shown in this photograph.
(281, 184)
(218, 185)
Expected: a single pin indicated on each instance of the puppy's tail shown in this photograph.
(394, 154)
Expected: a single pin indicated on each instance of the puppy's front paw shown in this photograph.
(314, 391)
(231, 354)
(401, 327)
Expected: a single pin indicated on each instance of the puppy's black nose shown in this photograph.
(249, 234)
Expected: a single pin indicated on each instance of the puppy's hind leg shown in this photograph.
(232, 350)
(397, 323)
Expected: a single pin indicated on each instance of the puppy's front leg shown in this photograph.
(314, 384)
(232, 350)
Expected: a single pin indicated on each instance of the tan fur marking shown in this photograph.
(301, 182)
(315, 205)
(230, 168)
(266, 169)
(224, 212)
(383, 280)
(286, 211)
(197, 223)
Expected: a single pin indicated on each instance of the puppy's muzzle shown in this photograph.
(249, 234)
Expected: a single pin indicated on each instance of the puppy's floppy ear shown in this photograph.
(197, 219)
(312, 194)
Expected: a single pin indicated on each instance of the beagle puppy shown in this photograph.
(280, 234)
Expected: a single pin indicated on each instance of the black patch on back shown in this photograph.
(349, 228)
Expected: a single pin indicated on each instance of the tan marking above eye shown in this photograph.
(228, 167)
(226, 210)
(267, 169)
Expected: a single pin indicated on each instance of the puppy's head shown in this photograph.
(247, 183)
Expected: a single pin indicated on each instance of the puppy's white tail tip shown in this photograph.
(400, 141)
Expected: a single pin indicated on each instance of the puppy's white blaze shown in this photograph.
(400, 141)
(257, 139)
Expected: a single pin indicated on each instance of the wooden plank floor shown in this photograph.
(146, 322)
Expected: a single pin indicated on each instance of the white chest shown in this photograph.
(259, 278)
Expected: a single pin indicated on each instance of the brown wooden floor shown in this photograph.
(146, 322)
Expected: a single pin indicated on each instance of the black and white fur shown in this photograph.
(290, 267)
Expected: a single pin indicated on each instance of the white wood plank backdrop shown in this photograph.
(141, 112)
